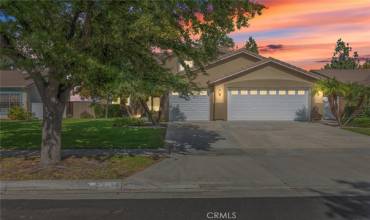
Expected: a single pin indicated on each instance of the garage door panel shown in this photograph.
(267, 107)
(196, 108)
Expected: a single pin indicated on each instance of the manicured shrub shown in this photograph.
(367, 111)
(113, 111)
(98, 110)
(18, 113)
(85, 114)
(361, 122)
(128, 121)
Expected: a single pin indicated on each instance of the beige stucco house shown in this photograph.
(17, 89)
(241, 85)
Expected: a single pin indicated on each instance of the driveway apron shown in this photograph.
(272, 157)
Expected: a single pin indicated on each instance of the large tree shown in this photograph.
(251, 45)
(64, 44)
(342, 58)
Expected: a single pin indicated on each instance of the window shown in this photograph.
(203, 92)
(189, 63)
(243, 92)
(272, 92)
(282, 92)
(8, 100)
(291, 92)
(175, 93)
(253, 92)
(234, 92)
(263, 92)
(301, 92)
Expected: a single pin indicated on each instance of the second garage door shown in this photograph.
(195, 108)
(268, 104)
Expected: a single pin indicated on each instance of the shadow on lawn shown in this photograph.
(353, 203)
(185, 137)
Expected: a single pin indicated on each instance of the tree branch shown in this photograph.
(72, 28)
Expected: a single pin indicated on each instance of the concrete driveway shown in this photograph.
(261, 159)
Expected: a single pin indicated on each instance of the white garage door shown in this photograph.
(269, 104)
(194, 109)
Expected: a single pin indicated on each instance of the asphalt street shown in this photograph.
(294, 208)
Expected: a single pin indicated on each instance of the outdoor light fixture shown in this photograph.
(219, 92)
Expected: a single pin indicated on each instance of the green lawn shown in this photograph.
(360, 130)
(81, 133)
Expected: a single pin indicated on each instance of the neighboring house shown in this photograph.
(241, 85)
(360, 76)
(17, 90)
(79, 106)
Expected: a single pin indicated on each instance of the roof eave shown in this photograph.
(251, 68)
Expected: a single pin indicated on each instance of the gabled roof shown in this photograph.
(13, 79)
(361, 76)
(237, 52)
(262, 63)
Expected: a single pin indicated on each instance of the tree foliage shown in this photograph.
(66, 44)
(251, 45)
(342, 58)
(355, 97)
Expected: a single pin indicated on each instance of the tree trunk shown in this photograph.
(54, 96)
(51, 134)
(107, 107)
(147, 111)
(124, 108)
(334, 108)
(151, 104)
(163, 107)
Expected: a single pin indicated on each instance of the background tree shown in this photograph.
(251, 45)
(64, 44)
(342, 59)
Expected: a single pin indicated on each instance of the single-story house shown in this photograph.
(241, 85)
(360, 76)
(16, 89)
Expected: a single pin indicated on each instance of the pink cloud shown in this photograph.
(308, 30)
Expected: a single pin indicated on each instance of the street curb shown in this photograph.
(88, 152)
(91, 185)
(87, 189)
(43, 185)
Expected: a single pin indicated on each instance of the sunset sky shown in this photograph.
(304, 32)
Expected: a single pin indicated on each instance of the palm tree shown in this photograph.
(354, 95)
(332, 89)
